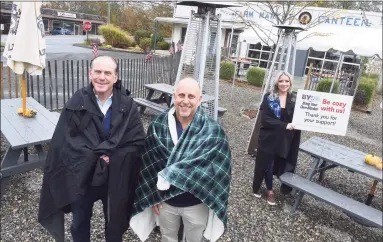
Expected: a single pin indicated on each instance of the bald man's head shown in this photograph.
(190, 82)
(187, 98)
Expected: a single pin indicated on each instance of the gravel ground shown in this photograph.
(250, 219)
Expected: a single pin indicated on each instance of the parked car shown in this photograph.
(61, 31)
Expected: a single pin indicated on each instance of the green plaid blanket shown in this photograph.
(199, 163)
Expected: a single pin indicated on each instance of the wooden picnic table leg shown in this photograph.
(168, 100)
(148, 97)
(10, 158)
(321, 174)
(372, 192)
(311, 172)
(25, 152)
(13, 163)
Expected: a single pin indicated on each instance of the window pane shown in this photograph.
(317, 65)
(253, 54)
(45, 22)
(265, 56)
(266, 48)
(257, 46)
(263, 64)
(316, 54)
(330, 66)
(351, 59)
(333, 55)
(56, 24)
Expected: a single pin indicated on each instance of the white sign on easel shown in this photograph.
(322, 112)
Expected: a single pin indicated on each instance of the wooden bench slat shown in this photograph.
(149, 104)
(42, 111)
(13, 136)
(24, 134)
(360, 210)
(341, 155)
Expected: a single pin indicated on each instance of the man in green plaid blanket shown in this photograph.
(186, 172)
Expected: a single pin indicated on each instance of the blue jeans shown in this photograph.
(82, 211)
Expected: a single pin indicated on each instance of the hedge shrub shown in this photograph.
(365, 91)
(374, 76)
(159, 38)
(145, 43)
(255, 76)
(140, 34)
(324, 85)
(163, 45)
(115, 36)
(226, 70)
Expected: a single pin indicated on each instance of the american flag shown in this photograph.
(179, 46)
(95, 49)
(148, 57)
(171, 50)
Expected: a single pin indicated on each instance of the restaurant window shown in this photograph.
(259, 55)
(327, 61)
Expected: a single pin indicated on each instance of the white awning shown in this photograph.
(225, 24)
(266, 35)
(362, 41)
(172, 20)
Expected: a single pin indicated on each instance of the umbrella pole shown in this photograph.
(23, 94)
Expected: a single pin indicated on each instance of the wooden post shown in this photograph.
(9, 83)
(16, 85)
(308, 76)
(23, 94)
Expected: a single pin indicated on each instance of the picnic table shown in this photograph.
(328, 155)
(22, 133)
(166, 91)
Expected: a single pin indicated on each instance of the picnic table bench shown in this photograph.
(166, 91)
(328, 155)
(22, 133)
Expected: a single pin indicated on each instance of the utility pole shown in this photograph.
(108, 12)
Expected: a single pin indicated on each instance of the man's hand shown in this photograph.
(290, 126)
(106, 158)
(156, 208)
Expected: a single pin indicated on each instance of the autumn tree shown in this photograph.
(130, 16)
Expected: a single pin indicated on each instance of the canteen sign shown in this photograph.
(322, 112)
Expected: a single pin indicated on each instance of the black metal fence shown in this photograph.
(61, 79)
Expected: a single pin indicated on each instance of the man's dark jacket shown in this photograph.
(73, 162)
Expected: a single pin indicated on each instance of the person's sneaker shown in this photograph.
(270, 198)
(257, 195)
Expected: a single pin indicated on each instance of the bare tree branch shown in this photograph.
(274, 13)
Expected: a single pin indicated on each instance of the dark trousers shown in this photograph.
(266, 165)
(264, 169)
(82, 211)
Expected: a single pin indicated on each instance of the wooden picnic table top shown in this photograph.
(22, 132)
(169, 89)
(340, 155)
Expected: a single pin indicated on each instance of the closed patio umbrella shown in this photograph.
(25, 47)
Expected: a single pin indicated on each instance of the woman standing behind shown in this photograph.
(278, 143)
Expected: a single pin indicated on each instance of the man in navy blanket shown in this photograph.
(186, 172)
